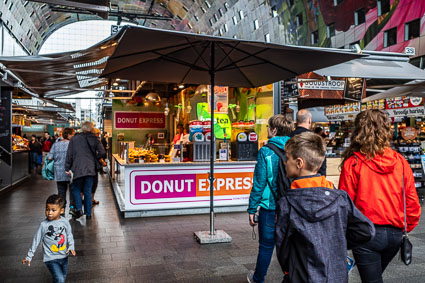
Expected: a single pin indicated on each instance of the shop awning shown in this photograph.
(413, 88)
(61, 74)
(177, 57)
(378, 65)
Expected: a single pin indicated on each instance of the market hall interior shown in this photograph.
(111, 248)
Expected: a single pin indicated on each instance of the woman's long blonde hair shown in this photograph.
(372, 134)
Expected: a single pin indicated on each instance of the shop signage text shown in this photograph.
(323, 85)
(410, 112)
(139, 120)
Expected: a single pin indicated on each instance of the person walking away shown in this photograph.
(58, 242)
(315, 223)
(84, 151)
(46, 146)
(98, 170)
(303, 120)
(35, 152)
(374, 176)
(263, 191)
(58, 154)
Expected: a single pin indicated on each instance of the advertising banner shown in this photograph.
(342, 112)
(130, 120)
(406, 112)
(403, 102)
(186, 187)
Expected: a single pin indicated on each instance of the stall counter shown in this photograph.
(156, 189)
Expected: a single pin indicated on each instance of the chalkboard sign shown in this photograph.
(354, 89)
(5, 126)
(290, 88)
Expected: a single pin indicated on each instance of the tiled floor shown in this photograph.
(162, 249)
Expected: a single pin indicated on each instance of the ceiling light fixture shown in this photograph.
(181, 86)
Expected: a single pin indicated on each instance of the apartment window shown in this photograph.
(220, 11)
(383, 7)
(235, 20)
(315, 37)
(220, 32)
(412, 29)
(390, 37)
(330, 30)
(299, 20)
(11, 5)
(180, 18)
(216, 17)
(274, 12)
(184, 8)
(226, 28)
(203, 10)
(208, 4)
(337, 2)
(256, 25)
(211, 22)
(235, 37)
(241, 15)
(359, 17)
(189, 25)
(196, 18)
(267, 37)
(226, 6)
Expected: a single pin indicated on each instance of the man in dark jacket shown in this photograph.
(83, 154)
(303, 120)
(315, 223)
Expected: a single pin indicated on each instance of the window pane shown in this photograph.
(390, 37)
(412, 29)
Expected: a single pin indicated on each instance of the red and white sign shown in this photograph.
(129, 120)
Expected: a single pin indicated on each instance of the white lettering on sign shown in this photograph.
(150, 120)
(166, 186)
(127, 120)
(326, 85)
(226, 184)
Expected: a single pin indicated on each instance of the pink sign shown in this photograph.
(165, 186)
(139, 120)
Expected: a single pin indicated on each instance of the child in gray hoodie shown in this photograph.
(56, 235)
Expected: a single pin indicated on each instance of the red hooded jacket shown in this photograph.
(376, 188)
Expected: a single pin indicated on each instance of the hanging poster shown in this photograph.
(354, 89)
(221, 95)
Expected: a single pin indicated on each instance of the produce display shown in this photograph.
(19, 143)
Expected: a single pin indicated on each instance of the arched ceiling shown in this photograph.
(31, 22)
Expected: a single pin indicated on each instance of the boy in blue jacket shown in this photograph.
(315, 223)
(263, 191)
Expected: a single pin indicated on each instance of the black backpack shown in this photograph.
(283, 183)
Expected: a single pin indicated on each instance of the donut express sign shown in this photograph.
(186, 186)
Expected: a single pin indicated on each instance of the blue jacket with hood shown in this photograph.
(265, 173)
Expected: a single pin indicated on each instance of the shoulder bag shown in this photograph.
(406, 245)
(99, 163)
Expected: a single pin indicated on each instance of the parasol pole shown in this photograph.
(212, 236)
(211, 177)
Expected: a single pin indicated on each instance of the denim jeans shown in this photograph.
(58, 268)
(83, 184)
(373, 257)
(266, 229)
(62, 189)
(34, 159)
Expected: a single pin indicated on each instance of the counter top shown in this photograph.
(157, 164)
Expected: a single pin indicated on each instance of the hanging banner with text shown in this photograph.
(186, 186)
(130, 120)
(333, 89)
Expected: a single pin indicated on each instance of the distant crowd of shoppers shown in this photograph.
(310, 222)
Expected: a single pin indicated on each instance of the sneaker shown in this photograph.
(72, 211)
(77, 214)
(250, 276)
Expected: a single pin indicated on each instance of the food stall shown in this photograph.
(152, 175)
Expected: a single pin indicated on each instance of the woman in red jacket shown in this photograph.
(372, 175)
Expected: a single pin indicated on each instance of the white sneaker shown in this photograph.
(250, 276)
